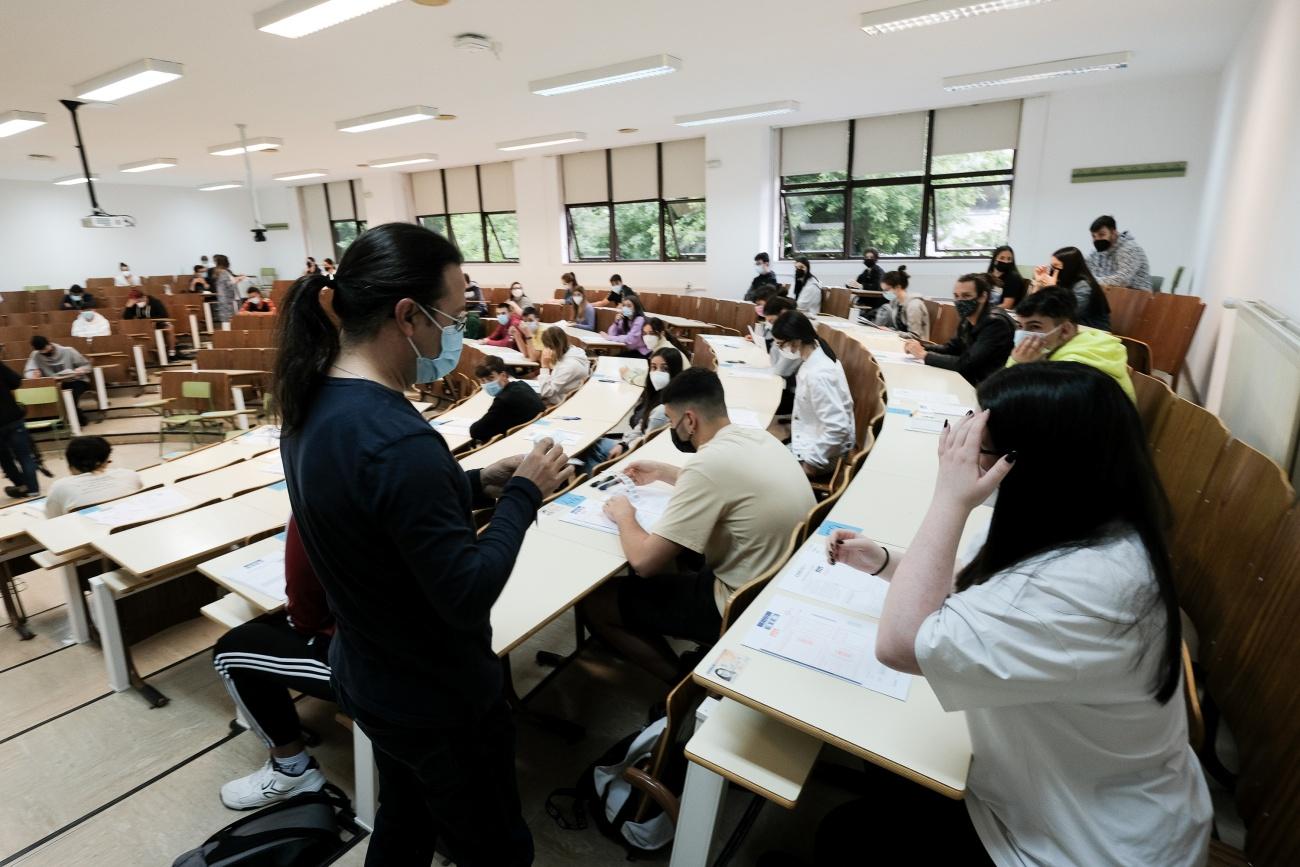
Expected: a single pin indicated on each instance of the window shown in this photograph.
(921, 185)
(342, 209)
(643, 203)
(473, 207)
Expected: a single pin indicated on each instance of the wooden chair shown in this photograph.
(1185, 451)
(44, 398)
(943, 321)
(194, 390)
(1139, 354)
(656, 785)
(1126, 308)
(1153, 402)
(816, 515)
(1168, 324)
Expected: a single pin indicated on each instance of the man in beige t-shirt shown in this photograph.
(735, 503)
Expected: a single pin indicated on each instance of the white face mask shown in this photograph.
(890, 295)
(659, 379)
(789, 354)
(1022, 335)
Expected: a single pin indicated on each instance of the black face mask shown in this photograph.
(1101, 244)
(868, 262)
(683, 445)
(1004, 267)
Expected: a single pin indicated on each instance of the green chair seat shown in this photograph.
(44, 424)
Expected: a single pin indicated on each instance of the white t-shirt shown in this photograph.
(125, 278)
(94, 326)
(1075, 762)
(87, 489)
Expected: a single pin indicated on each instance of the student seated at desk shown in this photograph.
(569, 285)
(569, 367)
(1061, 640)
(734, 504)
(255, 303)
(617, 292)
(1069, 270)
(91, 481)
(984, 336)
(91, 323)
(260, 662)
(1049, 332)
(199, 280)
(527, 334)
(902, 312)
(584, 315)
(807, 290)
(648, 415)
(763, 276)
(822, 425)
(513, 402)
(77, 298)
(628, 328)
(1003, 270)
(656, 336)
(63, 363)
(519, 298)
(124, 277)
(506, 322)
(786, 368)
(142, 306)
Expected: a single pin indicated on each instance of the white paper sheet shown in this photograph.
(562, 438)
(269, 435)
(745, 418)
(265, 575)
(925, 424)
(140, 507)
(840, 585)
(271, 462)
(920, 395)
(457, 426)
(944, 409)
(836, 644)
(895, 358)
(728, 342)
(589, 511)
(746, 372)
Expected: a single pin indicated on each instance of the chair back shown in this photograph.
(195, 390)
(1139, 354)
(1185, 451)
(1153, 402)
(37, 397)
(943, 321)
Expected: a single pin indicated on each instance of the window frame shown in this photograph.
(361, 225)
(663, 219)
(928, 180)
(483, 228)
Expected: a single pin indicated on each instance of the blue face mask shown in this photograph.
(890, 295)
(503, 318)
(493, 388)
(627, 312)
(433, 369)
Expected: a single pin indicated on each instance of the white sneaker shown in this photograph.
(267, 786)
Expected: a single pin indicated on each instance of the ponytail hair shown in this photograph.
(380, 268)
(898, 279)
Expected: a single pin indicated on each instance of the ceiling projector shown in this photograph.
(106, 221)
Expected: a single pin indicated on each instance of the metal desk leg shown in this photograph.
(702, 802)
(74, 424)
(101, 391)
(104, 609)
(237, 398)
(13, 604)
(141, 374)
(76, 603)
(366, 780)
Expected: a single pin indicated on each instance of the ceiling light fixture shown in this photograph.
(14, 122)
(744, 112)
(148, 165)
(646, 67)
(924, 13)
(1038, 71)
(73, 180)
(234, 149)
(224, 185)
(541, 141)
(301, 174)
(132, 78)
(396, 117)
(401, 161)
(294, 18)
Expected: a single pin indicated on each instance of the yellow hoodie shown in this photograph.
(1099, 349)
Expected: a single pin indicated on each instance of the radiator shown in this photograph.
(1261, 387)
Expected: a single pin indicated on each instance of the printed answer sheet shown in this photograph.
(840, 585)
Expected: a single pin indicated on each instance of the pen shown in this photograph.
(569, 417)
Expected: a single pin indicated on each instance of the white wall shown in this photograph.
(1250, 218)
(45, 244)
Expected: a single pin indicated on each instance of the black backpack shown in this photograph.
(302, 831)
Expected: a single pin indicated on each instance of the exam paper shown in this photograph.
(562, 438)
(140, 507)
(922, 424)
(265, 575)
(836, 644)
(746, 373)
(458, 426)
(589, 511)
(944, 409)
(729, 342)
(895, 358)
(810, 575)
(745, 418)
(920, 395)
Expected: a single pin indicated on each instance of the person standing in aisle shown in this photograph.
(16, 456)
(385, 516)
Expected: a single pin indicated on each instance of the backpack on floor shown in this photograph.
(302, 831)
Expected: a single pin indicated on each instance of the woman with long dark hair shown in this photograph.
(648, 415)
(1003, 271)
(1062, 638)
(384, 513)
(628, 327)
(807, 291)
(1069, 269)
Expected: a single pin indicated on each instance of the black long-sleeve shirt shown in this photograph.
(516, 404)
(977, 351)
(384, 513)
(10, 411)
(767, 278)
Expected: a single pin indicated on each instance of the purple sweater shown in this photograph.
(631, 335)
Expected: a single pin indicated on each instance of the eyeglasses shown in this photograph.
(457, 322)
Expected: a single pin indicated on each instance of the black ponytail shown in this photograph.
(383, 266)
(794, 325)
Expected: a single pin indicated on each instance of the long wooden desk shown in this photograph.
(511, 357)
(888, 498)
(454, 423)
(592, 341)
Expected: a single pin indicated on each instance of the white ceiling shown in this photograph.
(733, 52)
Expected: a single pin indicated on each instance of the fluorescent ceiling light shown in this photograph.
(402, 161)
(234, 149)
(541, 141)
(294, 18)
(744, 112)
(14, 122)
(396, 117)
(926, 12)
(132, 78)
(72, 180)
(646, 67)
(1038, 71)
(301, 174)
(223, 185)
(149, 165)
